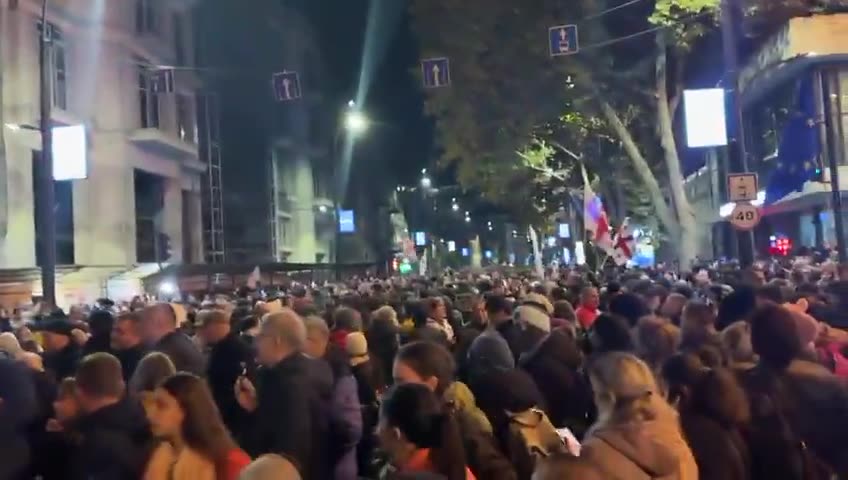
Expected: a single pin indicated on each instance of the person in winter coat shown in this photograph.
(160, 331)
(229, 358)
(713, 415)
(490, 351)
(637, 435)
(420, 435)
(126, 342)
(554, 366)
(113, 432)
(288, 409)
(17, 410)
(793, 401)
(432, 364)
(370, 385)
(196, 444)
(100, 325)
(383, 340)
(345, 413)
(61, 352)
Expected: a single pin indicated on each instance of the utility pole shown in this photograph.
(831, 95)
(736, 149)
(47, 220)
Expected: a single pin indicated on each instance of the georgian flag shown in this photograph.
(624, 244)
(596, 220)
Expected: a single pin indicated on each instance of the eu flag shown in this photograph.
(798, 154)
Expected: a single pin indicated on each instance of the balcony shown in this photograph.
(159, 142)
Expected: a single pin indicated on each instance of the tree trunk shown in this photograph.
(649, 180)
(687, 239)
(4, 170)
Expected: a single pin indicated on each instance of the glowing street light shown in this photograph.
(426, 182)
(356, 122)
(455, 207)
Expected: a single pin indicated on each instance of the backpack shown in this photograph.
(777, 451)
(531, 436)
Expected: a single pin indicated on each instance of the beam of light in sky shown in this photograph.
(384, 19)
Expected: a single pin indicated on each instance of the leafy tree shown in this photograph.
(508, 96)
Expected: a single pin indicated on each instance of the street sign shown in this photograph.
(286, 86)
(562, 40)
(436, 72)
(742, 187)
(745, 216)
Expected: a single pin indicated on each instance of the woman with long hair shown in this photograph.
(637, 435)
(196, 444)
(419, 434)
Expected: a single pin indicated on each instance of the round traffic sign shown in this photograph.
(745, 216)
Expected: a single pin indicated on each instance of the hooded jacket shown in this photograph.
(650, 450)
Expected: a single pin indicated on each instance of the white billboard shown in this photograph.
(70, 153)
(706, 119)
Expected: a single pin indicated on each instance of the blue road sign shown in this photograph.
(286, 86)
(436, 72)
(562, 40)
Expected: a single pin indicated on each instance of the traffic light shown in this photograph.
(163, 250)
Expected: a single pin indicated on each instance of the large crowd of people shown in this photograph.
(636, 375)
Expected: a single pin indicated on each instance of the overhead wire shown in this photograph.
(631, 36)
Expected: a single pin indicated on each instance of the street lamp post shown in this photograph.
(354, 123)
(47, 216)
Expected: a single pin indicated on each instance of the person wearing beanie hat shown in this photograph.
(61, 352)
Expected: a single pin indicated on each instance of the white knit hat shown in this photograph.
(533, 316)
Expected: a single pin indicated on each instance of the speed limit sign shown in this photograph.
(745, 216)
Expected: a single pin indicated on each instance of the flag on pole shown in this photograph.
(537, 254)
(595, 217)
(254, 278)
(624, 244)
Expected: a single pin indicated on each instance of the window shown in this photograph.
(179, 40)
(185, 121)
(146, 16)
(148, 99)
(57, 64)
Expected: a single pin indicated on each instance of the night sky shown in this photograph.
(240, 47)
(400, 143)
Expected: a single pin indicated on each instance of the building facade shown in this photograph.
(811, 49)
(303, 156)
(123, 69)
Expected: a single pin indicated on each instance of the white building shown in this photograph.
(143, 159)
(304, 156)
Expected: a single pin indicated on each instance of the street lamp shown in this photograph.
(356, 122)
(426, 183)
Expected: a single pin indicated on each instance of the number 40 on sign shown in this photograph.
(745, 216)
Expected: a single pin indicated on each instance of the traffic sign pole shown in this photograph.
(738, 155)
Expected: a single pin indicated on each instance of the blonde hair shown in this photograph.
(630, 387)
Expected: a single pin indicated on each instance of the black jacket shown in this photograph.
(720, 451)
(63, 364)
(553, 364)
(292, 418)
(17, 411)
(129, 359)
(227, 359)
(183, 352)
(115, 443)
